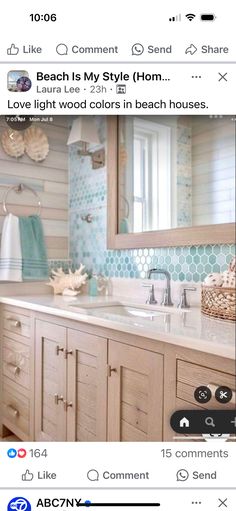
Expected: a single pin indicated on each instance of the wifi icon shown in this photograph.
(190, 17)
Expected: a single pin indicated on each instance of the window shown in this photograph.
(151, 183)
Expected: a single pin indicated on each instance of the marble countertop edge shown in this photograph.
(199, 332)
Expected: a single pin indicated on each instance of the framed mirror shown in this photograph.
(171, 180)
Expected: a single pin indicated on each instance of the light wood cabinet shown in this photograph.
(135, 388)
(70, 384)
(16, 409)
(62, 380)
(17, 373)
(86, 387)
(74, 372)
(50, 382)
(190, 376)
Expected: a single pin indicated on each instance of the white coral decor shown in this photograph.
(68, 283)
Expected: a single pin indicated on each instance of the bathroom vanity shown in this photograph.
(99, 369)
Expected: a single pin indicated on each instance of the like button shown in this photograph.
(13, 50)
(27, 476)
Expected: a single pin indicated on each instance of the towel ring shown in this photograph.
(19, 189)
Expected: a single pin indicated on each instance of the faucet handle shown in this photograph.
(151, 300)
(183, 304)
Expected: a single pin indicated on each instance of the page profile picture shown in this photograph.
(18, 81)
(19, 504)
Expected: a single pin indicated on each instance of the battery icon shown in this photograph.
(207, 17)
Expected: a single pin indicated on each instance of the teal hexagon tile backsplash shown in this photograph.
(55, 264)
(88, 245)
(88, 194)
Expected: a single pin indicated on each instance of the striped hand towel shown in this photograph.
(10, 253)
(34, 255)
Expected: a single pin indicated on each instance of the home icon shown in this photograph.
(184, 423)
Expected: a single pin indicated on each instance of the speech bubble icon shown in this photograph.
(137, 49)
(182, 475)
(93, 475)
(62, 49)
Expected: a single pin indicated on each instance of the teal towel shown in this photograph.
(34, 254)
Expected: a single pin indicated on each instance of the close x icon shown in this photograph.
(223, 503)
(223, 77)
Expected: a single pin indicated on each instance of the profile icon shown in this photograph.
(19, 504)
(23, 84)
(18, 81)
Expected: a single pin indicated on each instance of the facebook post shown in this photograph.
(117, 257)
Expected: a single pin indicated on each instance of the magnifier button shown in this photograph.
(209, 422)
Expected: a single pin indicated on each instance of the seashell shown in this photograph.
(214, 279)
(62, 281)
(232, 265)
(69, 299)
(13, 143)
(36, 143)
(69, 292)
(228, 279)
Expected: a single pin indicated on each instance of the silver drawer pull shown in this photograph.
(58, 349)
(14, 322)
(15, 369)
(58, 398)
(111, 370)
(13, 411)
(67, 405)
(68, 352)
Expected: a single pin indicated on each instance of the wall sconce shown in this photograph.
(83, 130)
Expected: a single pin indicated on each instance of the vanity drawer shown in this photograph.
(190, 376)
(16, 321)
(16, 362)
(15, 408)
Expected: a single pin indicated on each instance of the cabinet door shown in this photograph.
(135, 394)
(86, 387)
(50, 382)
(16, 373)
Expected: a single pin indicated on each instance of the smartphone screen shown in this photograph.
(117, 255)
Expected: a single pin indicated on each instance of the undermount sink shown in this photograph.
(125, 310)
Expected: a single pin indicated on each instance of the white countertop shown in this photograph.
(189, 329)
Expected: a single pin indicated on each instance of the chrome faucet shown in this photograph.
(151, 300)
(183, 304)
(167, 293)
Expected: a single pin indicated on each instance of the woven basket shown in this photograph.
(219, 302)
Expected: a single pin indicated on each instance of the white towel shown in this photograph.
(10, 253)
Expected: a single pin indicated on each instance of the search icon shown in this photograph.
(209, 422)
(93, 475)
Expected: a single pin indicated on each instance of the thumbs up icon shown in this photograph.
(13, 50)
(27, 476)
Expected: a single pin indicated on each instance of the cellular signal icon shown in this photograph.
(175, 18)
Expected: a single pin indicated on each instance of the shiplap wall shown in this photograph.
(213, 170)
(49, 178)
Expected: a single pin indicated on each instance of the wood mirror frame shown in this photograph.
(180, 236)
